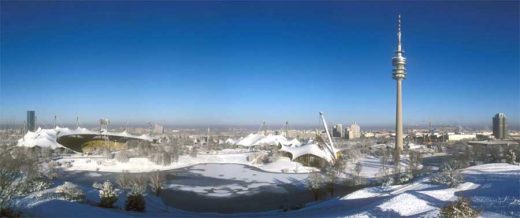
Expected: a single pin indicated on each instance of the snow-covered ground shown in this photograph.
(90, 163)
(493, 188)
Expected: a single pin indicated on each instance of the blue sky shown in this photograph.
(241, 63)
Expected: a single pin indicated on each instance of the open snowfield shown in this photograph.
(136, 165)
(493, 188)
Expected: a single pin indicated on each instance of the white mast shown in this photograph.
(330, 146)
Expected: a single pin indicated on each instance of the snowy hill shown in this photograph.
(493, 188)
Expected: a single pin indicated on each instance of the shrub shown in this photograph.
(135, 199)
(387, 181)
(71, 192)
(107, 195)
(459, 209)
(405, 177)
(8, 212)
(135, 202)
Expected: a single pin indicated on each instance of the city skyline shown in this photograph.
(188, 64)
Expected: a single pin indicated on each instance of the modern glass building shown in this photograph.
(500, 126)
(30, 125)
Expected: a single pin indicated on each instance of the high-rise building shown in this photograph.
(354, 131)
(338, 131)
(399, 74)
(30, 125)
(158, 129)
(500, 126)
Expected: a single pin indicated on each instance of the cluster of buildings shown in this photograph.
(499, 133)
(351, 132)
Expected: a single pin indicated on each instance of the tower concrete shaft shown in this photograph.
(399, 120)
(399, 74)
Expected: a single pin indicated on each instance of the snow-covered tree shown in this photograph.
(448, 175)
(71, 192)
(36, 184)
(17, 168)
(10, 185)
(107, 194)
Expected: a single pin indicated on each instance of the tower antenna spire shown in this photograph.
(399, 33)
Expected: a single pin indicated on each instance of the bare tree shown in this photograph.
(124, 180)
(358, 170)
(315, 183)
(511, 156)
(122, 156)
(156, 180)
